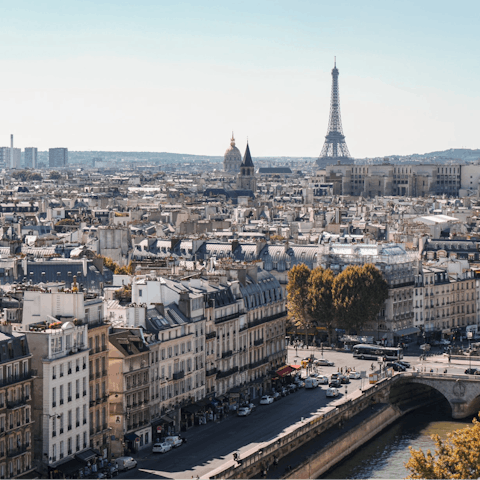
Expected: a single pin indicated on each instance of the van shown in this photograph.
(311, 382)
(125, 463)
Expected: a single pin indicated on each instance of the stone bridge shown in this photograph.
(461, 391)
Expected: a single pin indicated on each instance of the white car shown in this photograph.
(322, 380)
(243, 411)
(332, 392)
(161, 447)
(354, 375)
(266, 400)
(323, 362)
(174, 440)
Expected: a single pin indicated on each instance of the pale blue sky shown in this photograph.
(179, 76)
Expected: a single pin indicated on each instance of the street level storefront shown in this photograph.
(84, 464)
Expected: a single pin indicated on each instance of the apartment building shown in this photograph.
(129, 387)
(31, 156)
(57, 157)
(61, 402)
(97, 329)
(16, 393)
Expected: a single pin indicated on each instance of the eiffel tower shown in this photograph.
(334, 149)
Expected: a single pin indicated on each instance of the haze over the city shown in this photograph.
(180, 76)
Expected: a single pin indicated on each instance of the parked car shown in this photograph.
(335, 383)
(111, 470)
(284, 391)
(472, 371)
(243, 411)
(344, 379)
(311, 382)
(251, 406)
(125, 463)
(322, 380)
(292, 387)
(323, 362)
(332, 392)
(266, 400)
(97, 475)
(299, 382)
(396, 366)
(161, 447)
(354, 375)
(174, 440)
(402, 362)
(276, 395)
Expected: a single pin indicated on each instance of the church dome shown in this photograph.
(232, 158)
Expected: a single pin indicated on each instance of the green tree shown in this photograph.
(358, 295)
(321, 299)
(298, 304)
(21, 175)
(456, 457)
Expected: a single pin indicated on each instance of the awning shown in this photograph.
(69, 467)
(203, 402)
(132, 437)
(406, 331)
(281, 372)
(87, 455)
(191, 409)
(167, 419)
(296, 367)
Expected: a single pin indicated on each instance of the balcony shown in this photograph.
(226, 318)
(14, 452)
(210, 335)
(260, 321)
(258, 363)
(178, 375)
(98, 375)
(92, 376)
(258, 342)
(211, 372)
(17, 403)
(15, 379)
(227, 373)
(227, 354)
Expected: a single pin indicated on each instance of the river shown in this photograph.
(385, 455)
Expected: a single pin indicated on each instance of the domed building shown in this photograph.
(232, 158)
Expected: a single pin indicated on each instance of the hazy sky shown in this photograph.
(179, 76)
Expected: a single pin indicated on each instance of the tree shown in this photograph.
(55, 175)
(321, 299)
(456, 457)
(358, 295)
(297, 297)
(376, 291)
(347, 299)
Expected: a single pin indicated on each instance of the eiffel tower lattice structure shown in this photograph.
(334, 149)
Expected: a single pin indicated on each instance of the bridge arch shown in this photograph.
(462, 392)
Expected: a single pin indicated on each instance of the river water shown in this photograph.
(385, 455)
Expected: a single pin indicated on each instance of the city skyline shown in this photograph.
(177, 77)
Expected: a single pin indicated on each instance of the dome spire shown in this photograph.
(232, 141)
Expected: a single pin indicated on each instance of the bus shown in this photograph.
(373, 352)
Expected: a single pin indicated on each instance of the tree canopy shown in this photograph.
(349, 300)
(456, 457)
(26, 175)
(297, 296)
(321, 299)
(358, 295)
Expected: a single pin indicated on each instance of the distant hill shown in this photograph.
(86, 157)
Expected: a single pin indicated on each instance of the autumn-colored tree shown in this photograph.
(298, 305)
(376, 291)
(55, 175)
(321, 299)
(456, 457)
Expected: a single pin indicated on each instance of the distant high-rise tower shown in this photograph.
(57, 157)
(31, 154)
(334, 149)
